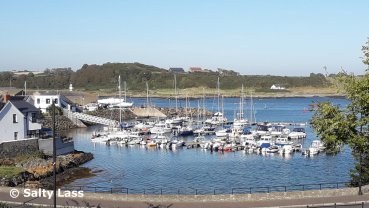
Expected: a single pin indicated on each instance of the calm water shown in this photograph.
(138, 167)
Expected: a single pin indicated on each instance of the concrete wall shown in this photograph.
(62, 147)
(7, 127)
(17, 148)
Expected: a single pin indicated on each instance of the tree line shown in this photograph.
(105, 76)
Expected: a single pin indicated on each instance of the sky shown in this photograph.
(284, 37)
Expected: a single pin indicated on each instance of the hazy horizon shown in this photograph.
(288, 38)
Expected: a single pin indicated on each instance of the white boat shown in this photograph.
(318, 145)
(217, 119)
(297, 133)
(279, 130)
(264, 142)
(311, 151)
(160, 128)
(262, 130)
(223, 132)
(273, 149)
(286, 149)
(113, 102)
(281, 141)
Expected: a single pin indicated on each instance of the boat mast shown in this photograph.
(242, 99)
(218, 86)
(251, 109)
(186, 106)
(175, 91)
(120, 102)
(203, 104)
(125, 91)
(147, 94)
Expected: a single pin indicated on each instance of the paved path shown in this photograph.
(121, 201)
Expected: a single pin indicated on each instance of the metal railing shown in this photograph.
(202, 191)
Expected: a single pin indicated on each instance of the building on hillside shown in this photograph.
(225, 72)
(177, 70)
(43, 101)
(18, 120)
(277, 87)
(195, 69)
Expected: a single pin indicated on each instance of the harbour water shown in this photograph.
(138, 167)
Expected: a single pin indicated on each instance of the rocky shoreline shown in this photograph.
(37, 169)
(61, 123)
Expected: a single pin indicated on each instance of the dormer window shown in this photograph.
(47, 101)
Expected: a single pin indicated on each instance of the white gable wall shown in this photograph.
(8, 127)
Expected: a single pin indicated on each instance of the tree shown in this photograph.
(336, 125)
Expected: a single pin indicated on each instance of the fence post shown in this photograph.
(95, 189)
(250, 190)
(320, 186)
(268, 189)
(337, 185)
(303, 187)
(362, 204)
(161, 191)
(111, 190)
(285, 188)
(127, 190)
(232, 191)
(195, 191)
(178, 191)
(144, 191)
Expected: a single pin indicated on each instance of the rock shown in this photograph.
(61, 123)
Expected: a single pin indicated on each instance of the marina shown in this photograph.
(145, 164)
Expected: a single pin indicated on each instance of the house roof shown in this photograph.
(24, 106)
(1, 105)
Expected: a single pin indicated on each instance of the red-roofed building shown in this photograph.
(196, 69)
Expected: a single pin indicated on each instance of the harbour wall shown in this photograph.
(30, 146)
(18, 148)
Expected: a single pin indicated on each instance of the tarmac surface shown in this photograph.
(121, 201)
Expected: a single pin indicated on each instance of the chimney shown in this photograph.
(6, 98)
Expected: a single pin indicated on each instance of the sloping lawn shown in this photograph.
(9, 171)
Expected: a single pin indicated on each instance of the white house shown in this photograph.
(43, 101)
(18, 121)
(277, 87)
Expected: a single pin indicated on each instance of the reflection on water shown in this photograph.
(140, 167)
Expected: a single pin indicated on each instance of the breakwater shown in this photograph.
(61, 123)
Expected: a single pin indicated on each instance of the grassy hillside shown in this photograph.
(103, 77)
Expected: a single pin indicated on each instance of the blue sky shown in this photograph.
(284, 37)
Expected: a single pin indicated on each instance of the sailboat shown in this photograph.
(113, 102)
(218, 117)
(240, 121)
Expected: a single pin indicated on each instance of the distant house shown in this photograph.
(18, 120)
(43, 101)
(277, 87)
(196, 69)
(177, 70)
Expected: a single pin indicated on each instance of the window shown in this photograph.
(38, 100)
(15, 135)
(33, 118)
(56, 101)
(15, 119)
(47, 101)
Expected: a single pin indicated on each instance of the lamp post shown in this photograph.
(54, 151)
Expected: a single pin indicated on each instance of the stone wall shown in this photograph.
(18, 148)
(62, 146)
